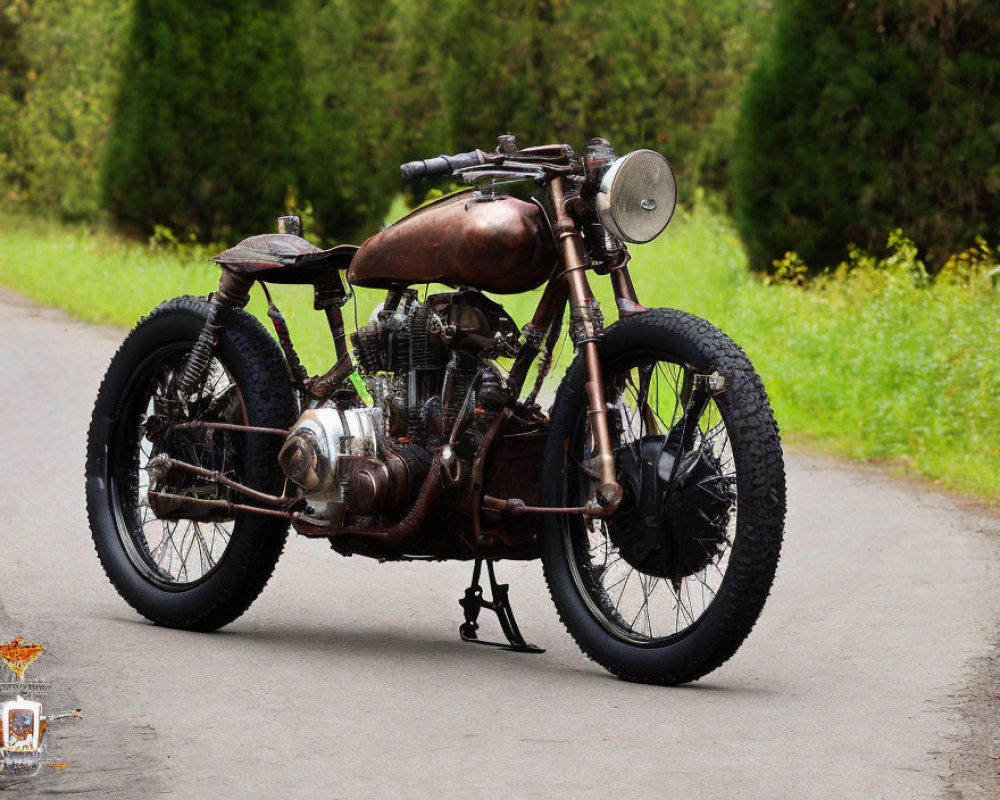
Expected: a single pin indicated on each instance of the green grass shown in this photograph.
(885, 369)
(868, 364)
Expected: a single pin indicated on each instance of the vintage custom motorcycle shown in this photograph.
(653, 489)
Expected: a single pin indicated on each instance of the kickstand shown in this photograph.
(473, 603)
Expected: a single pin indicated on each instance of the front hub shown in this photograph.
(672, 522)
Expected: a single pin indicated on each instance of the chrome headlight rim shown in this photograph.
(619, 199)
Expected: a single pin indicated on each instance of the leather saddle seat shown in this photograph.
(285, 258)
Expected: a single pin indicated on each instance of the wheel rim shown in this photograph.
(646, 396)
(175, 555)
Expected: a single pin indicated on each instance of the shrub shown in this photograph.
(220, 117)
(15, 67)
(206, 135)
(350, 165)
(867, 116)
(57, 79)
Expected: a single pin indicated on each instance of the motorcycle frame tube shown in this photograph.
(573, 263)
(335, 320)
(551, 303)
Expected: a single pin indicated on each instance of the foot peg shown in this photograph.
(473, 603)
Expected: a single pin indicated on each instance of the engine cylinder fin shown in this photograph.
(367, 350)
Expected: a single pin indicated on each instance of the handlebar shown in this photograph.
(442, 165)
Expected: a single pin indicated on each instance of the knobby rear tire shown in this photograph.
(259, 370)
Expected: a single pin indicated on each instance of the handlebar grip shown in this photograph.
(442, 165)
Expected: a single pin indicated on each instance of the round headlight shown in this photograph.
(637, 196)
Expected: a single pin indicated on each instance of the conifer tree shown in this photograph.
(206, 134)
(869, 115)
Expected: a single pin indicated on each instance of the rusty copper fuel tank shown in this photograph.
(497, 244)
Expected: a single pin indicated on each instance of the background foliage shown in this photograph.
(205, 137)
(648, 73)
(221, 115)
(58, 77)
(856, 118)
(866, 116)
(350, 113)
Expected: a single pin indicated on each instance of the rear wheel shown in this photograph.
(666, 589)
(199, 573)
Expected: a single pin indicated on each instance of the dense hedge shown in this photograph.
(869, 116)
(222, 115)
(647, 73)
(394, 81)
(350, 158)
(57, 82)
(206, 126)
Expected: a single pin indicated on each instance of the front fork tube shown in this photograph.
(586, 329)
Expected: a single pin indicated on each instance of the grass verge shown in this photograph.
(870, 363)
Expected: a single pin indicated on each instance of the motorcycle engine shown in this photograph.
(428, 368)
(422, 358)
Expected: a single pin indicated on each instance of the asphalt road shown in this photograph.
(347, 678)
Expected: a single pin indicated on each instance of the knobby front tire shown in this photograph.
(695, 610)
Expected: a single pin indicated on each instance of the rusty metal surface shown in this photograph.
(555, 152)
(438, 522)
(551, 340)
(234, 289)
(227, 426)
(512, 469)
(582, 304)
(233, 293)
(609, 494)
(215, 477)
(335, 321)
(187, 507)
(284, 258)
(515, 507)
(197, 361)
(550, 305)
(295, 369)
(501, 246)
(371, 486)
(380, 542)
(321, 387)
(625, 295)
(479, 467)
(586, 321)
(513, 463)
(266, 251)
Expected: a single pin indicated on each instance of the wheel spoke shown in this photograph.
(698, 576)
(204, 551)
(157, 553)
(681, 608)
(651, 398)
(624, 587)
(179, 551)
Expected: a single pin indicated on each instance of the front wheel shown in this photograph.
(202, 572)
(667, 588)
